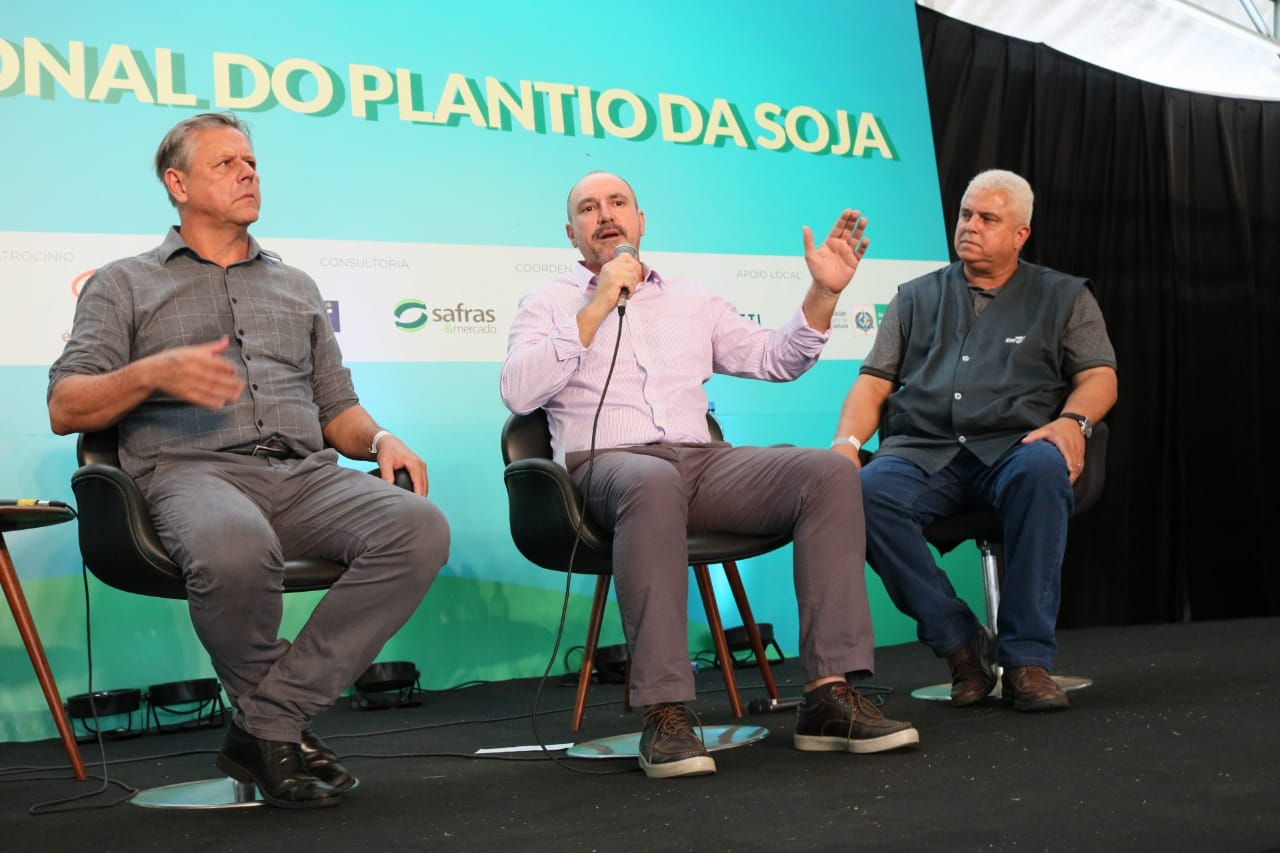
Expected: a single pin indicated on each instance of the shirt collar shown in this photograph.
(1019, 273)
(174, 244)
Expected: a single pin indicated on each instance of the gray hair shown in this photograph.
(1013, 185)
(175, 149)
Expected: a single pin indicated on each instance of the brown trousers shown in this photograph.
(651, 496)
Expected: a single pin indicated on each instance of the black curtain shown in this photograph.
(1170, 202)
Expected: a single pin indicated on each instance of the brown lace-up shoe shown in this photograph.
(669, 746)
(837, 718)
(1031, 688)
(973, 673)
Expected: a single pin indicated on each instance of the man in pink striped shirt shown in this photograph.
(656, 470)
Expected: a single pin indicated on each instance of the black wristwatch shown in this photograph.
(1086, 425)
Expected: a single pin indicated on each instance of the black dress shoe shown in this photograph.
(322, 762)
(276, 768)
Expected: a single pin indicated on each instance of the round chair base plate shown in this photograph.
(942, 692)
(223, 793)
(628, 745)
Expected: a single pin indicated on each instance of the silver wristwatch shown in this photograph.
(1086, 425)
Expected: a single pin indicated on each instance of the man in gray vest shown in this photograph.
(984, 380)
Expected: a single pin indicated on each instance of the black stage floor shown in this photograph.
(1175, 747)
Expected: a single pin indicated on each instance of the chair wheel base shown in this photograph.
(628, 745)
(225, 793)
(942, 692)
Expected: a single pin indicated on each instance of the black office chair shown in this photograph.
(120, 546)
(545, 510)
(984, 529)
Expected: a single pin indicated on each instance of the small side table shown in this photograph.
(23, 518)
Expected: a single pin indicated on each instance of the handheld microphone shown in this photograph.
(769, 706)
(620, 250)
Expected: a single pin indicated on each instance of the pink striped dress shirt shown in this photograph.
(674, 336)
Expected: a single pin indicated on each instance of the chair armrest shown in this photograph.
(1088, 486)
(403, 480)
(545, 510)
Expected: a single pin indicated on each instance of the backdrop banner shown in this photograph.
(415, 160)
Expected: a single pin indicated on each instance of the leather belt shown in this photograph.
(271, 450)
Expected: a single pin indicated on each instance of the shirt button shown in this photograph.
(260, 423)
(962, 439)
(958, 394)
(964, 358)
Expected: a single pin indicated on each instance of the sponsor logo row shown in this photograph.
(413, 314)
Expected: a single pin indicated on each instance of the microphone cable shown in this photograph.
(573, 553)
(68, 804)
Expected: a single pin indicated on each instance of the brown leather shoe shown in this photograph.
(669, 746)
(1031, 688)
(973, 674)
(836, 718)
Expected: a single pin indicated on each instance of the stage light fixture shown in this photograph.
(186, 705)
(611, 664)
(393, 684)
(739, 641)
(94, 713)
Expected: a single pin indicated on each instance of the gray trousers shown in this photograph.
(651, 496)
(231, 522)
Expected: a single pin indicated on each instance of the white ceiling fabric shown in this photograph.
(1176, 43)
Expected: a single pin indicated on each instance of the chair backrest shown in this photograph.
(543, 503)
(545, 507)
(118, 540)
(526, 437)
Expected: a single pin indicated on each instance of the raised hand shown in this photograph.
(833, 263)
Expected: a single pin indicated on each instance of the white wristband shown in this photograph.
(377, 437)
(846, 439)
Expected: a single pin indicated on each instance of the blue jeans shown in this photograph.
(1030, 490)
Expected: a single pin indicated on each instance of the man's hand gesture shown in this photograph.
(833, 264)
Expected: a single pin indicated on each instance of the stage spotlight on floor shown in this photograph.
(393, 684)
